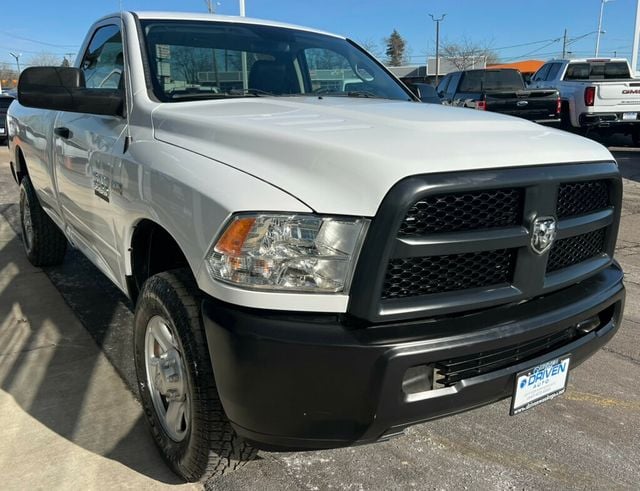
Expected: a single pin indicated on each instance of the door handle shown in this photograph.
(62, 132)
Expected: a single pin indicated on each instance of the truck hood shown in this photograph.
(342, 155)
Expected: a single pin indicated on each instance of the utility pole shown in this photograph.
(564, 45)
(210, 6)
(602, 2)
(17, 57)
(437, 21)
(634, 54)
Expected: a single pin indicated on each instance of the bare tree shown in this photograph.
(372, 47)
(191, 62)
(396, 49)
(466, 53)
(45, 59)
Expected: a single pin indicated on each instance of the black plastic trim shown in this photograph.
(541, 189)
(301, 380)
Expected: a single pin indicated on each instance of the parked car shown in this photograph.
(5, 101)
(596, 93)
(500, 90)
(426, 93)
(312, 266)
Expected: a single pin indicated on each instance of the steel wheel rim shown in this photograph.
(166, 378)
(27, 224)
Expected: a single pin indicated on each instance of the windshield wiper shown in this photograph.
(363, 93)
(353, 93)
(197, 96)
(254, 92)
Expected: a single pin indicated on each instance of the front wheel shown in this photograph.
(176, 382)
(44, 243)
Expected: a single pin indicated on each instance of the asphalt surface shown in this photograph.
(587, 439)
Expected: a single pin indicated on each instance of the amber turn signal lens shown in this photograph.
(233, 238)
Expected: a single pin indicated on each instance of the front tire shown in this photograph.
(44, 243)
(176, 381)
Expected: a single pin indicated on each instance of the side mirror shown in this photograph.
(63, 89)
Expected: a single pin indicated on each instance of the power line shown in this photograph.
(7, 33)
(31, 52)
(523, 44)
(534, 51)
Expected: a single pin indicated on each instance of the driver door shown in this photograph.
(84, 146)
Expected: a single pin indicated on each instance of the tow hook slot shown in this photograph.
(586, 326)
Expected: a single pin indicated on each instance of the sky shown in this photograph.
(36, 27)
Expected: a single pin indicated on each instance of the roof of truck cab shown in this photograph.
(150, 15)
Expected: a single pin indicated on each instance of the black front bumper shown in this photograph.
(306, 381)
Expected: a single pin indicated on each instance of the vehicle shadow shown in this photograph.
(56, 374)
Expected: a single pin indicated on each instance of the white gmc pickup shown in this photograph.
(316, 259)
(596, 93)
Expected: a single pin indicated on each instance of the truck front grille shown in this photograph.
(578, 198)
(450, 372)
(463, 211)
(459, 242)
(408, 277)
(574, 250)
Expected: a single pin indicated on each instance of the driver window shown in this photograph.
(331, 72)
(103, 63)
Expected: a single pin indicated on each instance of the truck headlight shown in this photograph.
(288, 252)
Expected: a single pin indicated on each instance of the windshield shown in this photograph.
(483, 80)
(598, 70)
(193, 60)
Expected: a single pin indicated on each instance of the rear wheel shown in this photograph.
(44, 243)
(176, 382)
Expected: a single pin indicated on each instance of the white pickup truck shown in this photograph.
(316, 259)
(595, 93)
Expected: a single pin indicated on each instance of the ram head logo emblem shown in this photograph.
(543, 233)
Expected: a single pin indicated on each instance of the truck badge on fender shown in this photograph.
(543, 233)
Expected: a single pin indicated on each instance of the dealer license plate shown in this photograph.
(540, 384)
(629, 116)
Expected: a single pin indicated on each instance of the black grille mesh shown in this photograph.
(463, 211)
(409, 277)
(574, 250)
(579, 198)
(450, 372)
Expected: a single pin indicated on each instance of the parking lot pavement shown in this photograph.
(68, 420)
(586, 439)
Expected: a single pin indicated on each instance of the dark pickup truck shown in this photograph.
(502, 91)
(5, 101)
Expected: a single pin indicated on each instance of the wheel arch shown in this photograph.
(152, 250)
(19, 165)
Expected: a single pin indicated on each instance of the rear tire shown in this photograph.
(44, 243)
(200, 442)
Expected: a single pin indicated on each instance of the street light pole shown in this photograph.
(602, 2)
(636, 32)
(437, 21)
(17, 57)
